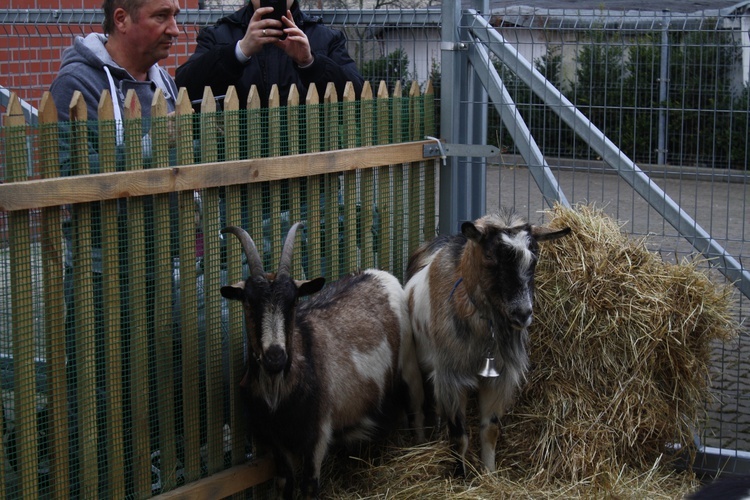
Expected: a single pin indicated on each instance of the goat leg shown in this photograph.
(459, 439)
(284, 475)
(491, 408)
(313, 460)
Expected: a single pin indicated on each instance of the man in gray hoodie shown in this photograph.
(137, 34)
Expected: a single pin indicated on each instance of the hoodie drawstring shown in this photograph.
(118, 112)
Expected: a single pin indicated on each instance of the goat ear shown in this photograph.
(541, 233)
(309, 287)
(234, 292)
(470, 231)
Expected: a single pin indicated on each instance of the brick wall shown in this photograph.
(30, 54)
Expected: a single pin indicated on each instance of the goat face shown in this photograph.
(269, 301)
(508, 253)
(269, 315)
(508, 258)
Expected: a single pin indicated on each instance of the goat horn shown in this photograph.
(251, 252)
(285, 263)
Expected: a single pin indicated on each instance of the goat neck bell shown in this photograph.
(489, 370)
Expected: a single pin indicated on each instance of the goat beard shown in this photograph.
(269, 387)
(272, 388)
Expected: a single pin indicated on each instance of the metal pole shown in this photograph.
(453, 80)
(661, 152)
(477, 166)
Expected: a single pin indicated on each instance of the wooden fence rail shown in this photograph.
(122, 362)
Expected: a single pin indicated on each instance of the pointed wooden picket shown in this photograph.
(22, 317)
(236, 199)
(111, 288)
(54, 305)
(369, 226)
(188, 282)
(315, 186)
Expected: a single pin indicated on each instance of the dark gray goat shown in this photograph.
(321, 369)
(470, 301)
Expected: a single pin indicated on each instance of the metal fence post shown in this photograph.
(477, 127)
(451, 85)
(463, 102)
(661, 154)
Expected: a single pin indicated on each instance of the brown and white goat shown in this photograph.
(470, 298)
(321, 369)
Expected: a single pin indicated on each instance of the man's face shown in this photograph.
(152, 29)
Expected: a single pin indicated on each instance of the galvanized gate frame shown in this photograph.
(469, 78)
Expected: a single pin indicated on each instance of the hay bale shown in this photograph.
(620, 350)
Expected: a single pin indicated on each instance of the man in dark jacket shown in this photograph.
(244, 49)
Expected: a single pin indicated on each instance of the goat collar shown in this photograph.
(458, 282)
(471, 299)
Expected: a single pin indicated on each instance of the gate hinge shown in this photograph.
(444, 150)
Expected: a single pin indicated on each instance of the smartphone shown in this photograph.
(279, 9)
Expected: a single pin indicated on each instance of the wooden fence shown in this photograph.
(124, 360)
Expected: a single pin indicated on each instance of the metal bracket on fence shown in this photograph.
(450, 46)
(444, 150)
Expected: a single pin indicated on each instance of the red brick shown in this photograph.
(13, 68)
(35, 66)
(51, 54)
(11, 41)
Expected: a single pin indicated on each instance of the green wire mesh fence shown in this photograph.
(121, 362)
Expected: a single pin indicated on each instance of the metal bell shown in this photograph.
(489, 370)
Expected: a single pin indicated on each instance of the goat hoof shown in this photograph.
(459, 469)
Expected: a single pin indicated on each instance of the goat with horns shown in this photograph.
(324, 368)
(470, 301)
